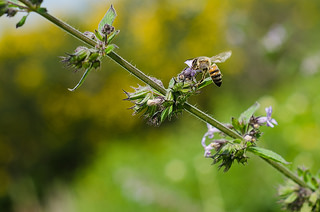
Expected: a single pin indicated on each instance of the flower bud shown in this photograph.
(156, 101)
(107, 29)
(248, 138)
(90, 35)
(93, 56)
(11, 12)
(96, 64)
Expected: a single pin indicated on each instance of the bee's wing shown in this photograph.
(220, 58)
(189, 62)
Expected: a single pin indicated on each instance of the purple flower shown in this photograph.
(209, 134)
(267, 119)
(188, 74)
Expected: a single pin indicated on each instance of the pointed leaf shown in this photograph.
(164, 114)
(307, 208)
(171, 82)
(291, 198)
(108, 18)
(313, 197)
(113, 35)
(110, 48)
(246, 115)
(82, 79)
(314, 182)
(98, 35)
(42, 10)
(170, 111)
(136, 95)
(267, 154)
(300, 171)
(169, 95)
(22, 21)
(235, 124)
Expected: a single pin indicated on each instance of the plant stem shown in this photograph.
(140, 75)
(289, 174)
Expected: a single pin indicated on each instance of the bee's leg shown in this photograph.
(202, 78)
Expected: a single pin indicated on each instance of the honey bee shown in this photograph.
(208, 64)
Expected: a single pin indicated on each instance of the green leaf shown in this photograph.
(291, 198)
(22, 21)
(314, 182)
(164, 114)
(307, 176)
(171, 82)
(110, 48)
(306, 208)
(42, 10)
(285, 190)
(246, 115)
(145, 99)
(313, 197)
(3, 7)
(235, 124)
(300, 171)
(205, 82)
(36, 2)
(82, 79)
(135, 96)
(113, 35)
(169, 95)
(267, 154)
(98, 35)
(170, 111)
(108, 18)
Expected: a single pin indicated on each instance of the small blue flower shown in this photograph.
(267, 119)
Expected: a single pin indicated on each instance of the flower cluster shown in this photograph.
(82, 57)
(11, 8)
(256, 122)
(158, 107)
(228, 150)
(88, 59)
(297, 198)
(154, 105)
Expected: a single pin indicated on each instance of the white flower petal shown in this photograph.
(189, 62)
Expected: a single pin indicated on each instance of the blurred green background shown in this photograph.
(83, 151)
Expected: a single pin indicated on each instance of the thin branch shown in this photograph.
(140, 75)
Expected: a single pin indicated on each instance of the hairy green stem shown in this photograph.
(289, 174)
(140, 75)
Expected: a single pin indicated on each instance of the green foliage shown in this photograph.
(296, 198)
(228, 153)
(107, 19)
(246, 115)
(36, 2)
(267, 154)
(82, 79)
(159, 107)
(22, 21)
(91, 58)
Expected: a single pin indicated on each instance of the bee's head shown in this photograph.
(204, 63)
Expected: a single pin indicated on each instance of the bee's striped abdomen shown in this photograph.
(215, 75)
